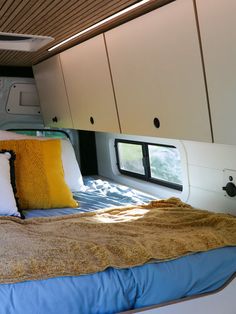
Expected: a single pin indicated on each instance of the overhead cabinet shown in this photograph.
(52, 93)
(89, 86)
(144, 77)
(157, 73)
(217, 27)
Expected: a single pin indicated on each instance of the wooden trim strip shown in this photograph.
(73, 13)
(28, 14)
(147, 7)
(83, 19)
(46, 18)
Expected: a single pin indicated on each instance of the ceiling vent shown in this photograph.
(22, 42)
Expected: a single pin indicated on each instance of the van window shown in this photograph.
(131, 157)
(43, 133)
(165, 163)
(156, 163)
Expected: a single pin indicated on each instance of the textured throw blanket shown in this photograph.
(78, 244)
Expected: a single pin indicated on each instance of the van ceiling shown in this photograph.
(59, 19)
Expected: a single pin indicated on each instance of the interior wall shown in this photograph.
(203, 164)
(23, 120)
(8, 120)
(207, 164)
(107, 166)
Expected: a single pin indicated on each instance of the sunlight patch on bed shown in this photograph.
(116, 216)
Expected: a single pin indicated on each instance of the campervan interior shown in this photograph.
(117, 157)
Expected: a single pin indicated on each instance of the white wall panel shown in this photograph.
(210, 200)
(12, 120)
(108, 168)
(203, 165)
(205, 178)
(213, 156)
(206, 163)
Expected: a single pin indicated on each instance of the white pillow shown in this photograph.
(7, 198)
(72, 174)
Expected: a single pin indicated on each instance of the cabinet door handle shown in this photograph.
(156, 122)
(91, 120)
(54, 119)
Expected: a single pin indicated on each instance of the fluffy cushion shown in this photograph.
(39, 174)
(72, 172)
(7, 199)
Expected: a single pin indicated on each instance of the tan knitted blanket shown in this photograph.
(78, 244)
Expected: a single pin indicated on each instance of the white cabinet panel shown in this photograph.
(217, 25)
(89, 86)
(157, 72)
(52, 93)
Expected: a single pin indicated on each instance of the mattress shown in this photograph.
(116, 290)
(97, 194)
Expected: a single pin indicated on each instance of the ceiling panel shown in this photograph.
(59, 19)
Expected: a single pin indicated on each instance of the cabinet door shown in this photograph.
(217, 26)
(52, 93)
(157, 73)
(89, 86)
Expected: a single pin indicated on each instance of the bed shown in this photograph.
(112, 289)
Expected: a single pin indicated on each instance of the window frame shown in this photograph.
(41, 130)
(146, 164)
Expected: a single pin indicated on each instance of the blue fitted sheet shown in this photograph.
(96, 194)
(114, 290)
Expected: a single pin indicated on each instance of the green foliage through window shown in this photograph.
(131, 157)
(165, 163)
(151, 162)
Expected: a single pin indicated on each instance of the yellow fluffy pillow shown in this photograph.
(39, 174)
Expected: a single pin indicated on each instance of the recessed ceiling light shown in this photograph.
(22, 42)
(132, 7)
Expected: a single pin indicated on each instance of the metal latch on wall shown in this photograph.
(230, 187)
